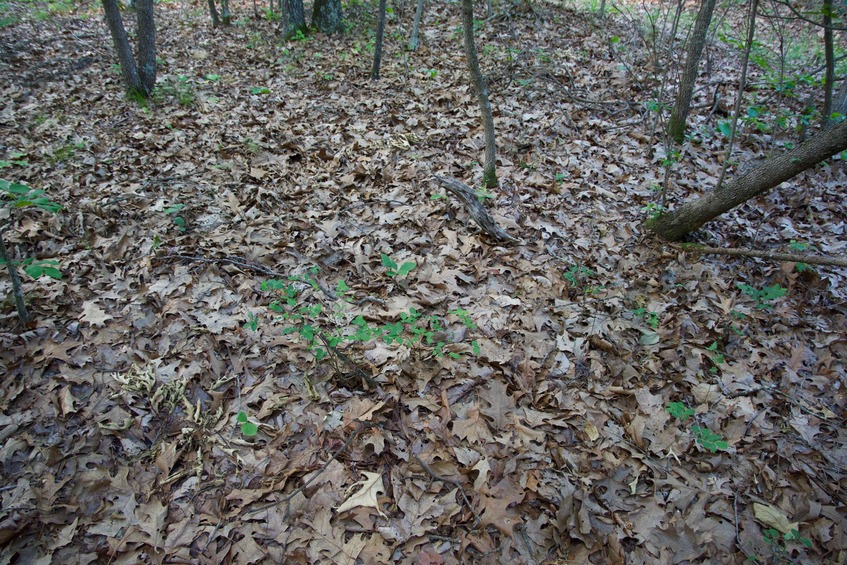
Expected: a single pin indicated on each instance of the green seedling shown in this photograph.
(765, 296)
(179, 221)
(704, 437)
(393, 270)
(248, 428)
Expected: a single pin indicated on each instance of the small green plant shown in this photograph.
(577, 275)
(654, 210)
(679, 411)
(271, 15)
(705, 438)
(765, 296)
(430, 73)
(325, 330)
(17, 195)
(258, 90)
(14, 160)
(650, 318)
(708, 439)
(179, 221)
(393, 270)
(483, 194)
(716, 357)
(779, 543)
(248, 428)
(800, 247)
(252, 323)
(298, 35)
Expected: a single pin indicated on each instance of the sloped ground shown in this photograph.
(548, 440)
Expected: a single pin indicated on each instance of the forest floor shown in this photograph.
(266, 239)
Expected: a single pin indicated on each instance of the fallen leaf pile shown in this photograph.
(599, 396)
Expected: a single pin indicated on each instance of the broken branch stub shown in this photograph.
(475, 208)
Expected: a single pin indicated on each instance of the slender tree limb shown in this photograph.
(435, 476)
(772, 255)
(17, 288)
(477, 211)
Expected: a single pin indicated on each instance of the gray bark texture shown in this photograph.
(293, 18)
(327, 16)
(691, 215)
(139, 78)
(679, 115)
(489, 171)
(129, 71)
(414, 40)
(146, 44)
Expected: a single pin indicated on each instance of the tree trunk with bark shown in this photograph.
(146, 44)
(139, 78)
(380, 31)
(293, 18)
(489, 171)
(690, 216)
(829, 56)
(327, 16)
(679, 115)
(414, 40)
(213, 11)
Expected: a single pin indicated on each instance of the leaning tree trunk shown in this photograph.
(690, 216)
(380, 31)
(489, 171)
(293, 17)
(139, 78)
(679, 115)
(146, 44)
(327, 16)
(132, 81)
(213, 11)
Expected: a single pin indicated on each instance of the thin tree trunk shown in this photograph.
(17, 289)
(414, 41)
(294, 18)
(679, 115)
(489, 171)
(742, 85)
(213, 11)
(226, 17)
(690, 216)
(132, 81)
(380, 31)
(829, 55)
(146, 45)
(839, 103)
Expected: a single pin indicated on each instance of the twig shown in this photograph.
(477, 211)
(287, 500)
(772, 255)
(435, 476)
(226, 260)
(17, 288)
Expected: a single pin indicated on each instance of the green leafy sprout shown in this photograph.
(705, 438)
(765, 296)
(393, 270)
(248, 428)
(322, 329)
